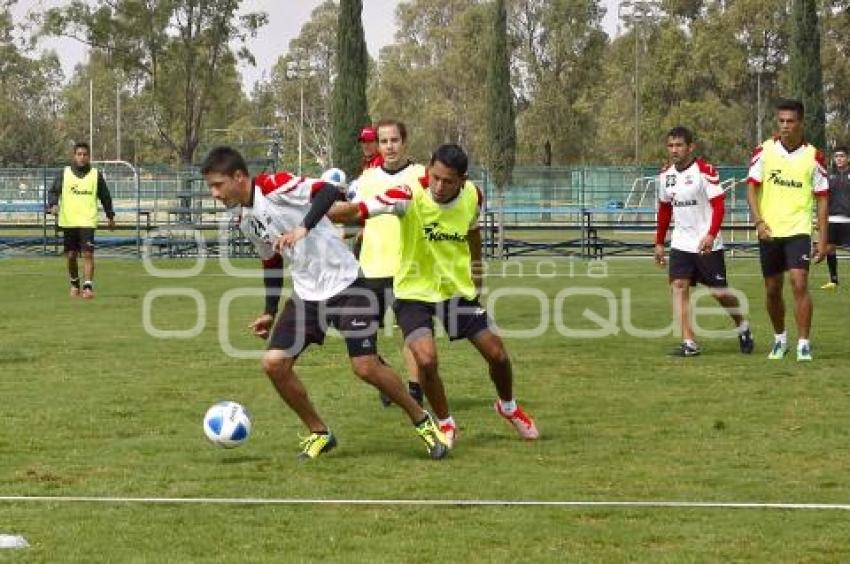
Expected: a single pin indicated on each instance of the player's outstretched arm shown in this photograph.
(394, 201)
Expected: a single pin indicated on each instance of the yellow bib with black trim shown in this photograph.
(78, 204)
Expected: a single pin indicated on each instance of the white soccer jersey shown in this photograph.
(690, 191)
(321, 264)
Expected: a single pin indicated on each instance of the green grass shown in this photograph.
(93, 406)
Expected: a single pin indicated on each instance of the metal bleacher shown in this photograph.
(583, 211)
(590, 212)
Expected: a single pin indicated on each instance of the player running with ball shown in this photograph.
(326, 290)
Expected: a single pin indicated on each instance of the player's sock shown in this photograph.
(802, 343)
(690, 343)
(75, 282)
(447, 421)
(88, 285)
(781, 337)
(743, 327)
(832, 263)
(415, 391)
(508, 407)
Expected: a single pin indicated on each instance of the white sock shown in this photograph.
(743, 327)
(802, 343)
(447, 421)
(508, 407)
(781, 337)
(691, 343)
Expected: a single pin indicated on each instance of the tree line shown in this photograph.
(580, 96)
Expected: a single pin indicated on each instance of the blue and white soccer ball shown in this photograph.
(227, 424)
(335, 176)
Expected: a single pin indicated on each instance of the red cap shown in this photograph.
(367, 134)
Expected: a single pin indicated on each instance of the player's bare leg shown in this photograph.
(774, 303)
(732, 305)
(370, 369)
(414, 387)
(680, 289)
(776, 311)
(74, 273)
(279, 369)
(424, 351)
(494, 352)
(88, 272)
(802, 301)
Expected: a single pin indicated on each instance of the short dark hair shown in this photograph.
(788, 104)
(82, 145)
(402, 129)
(840, 149)
(452, 156)
(225, 160)
(681, 132)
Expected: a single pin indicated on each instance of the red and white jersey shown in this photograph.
(321, 264)
(690, 191)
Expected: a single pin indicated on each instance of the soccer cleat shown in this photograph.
(778, 351)
(804, 353)
(685, 350)
(450, 431)
(75, 292)
(316, 444)
(746, 341)
(88, 294)
(829, 286)
(435, 441)
(522, 422)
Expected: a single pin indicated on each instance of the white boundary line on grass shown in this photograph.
(429, 502)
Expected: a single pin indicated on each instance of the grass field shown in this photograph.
(94, 406)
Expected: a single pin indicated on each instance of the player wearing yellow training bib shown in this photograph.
(787, 176)
(440, 243)
(380, 246)
(74, 197)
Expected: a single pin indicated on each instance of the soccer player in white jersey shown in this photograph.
(689, 191)
(326, 291)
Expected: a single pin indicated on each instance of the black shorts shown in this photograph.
(839, 234)
(351, 312)
(707, 269)
(462, 318)
(785, 253)
(78, 238)
(382, 288)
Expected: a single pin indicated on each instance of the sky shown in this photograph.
(285, 20)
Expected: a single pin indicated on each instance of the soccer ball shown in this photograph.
(227, 424)
(335, 176)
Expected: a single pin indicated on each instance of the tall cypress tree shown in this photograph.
(501, 129)
(349, 110)
(805, 68)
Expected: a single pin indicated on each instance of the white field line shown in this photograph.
(428, 502)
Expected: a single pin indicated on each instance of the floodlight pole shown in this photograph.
(301, 121)
(91, 117)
